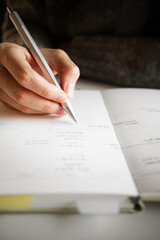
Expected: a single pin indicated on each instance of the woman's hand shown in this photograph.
(23, 86)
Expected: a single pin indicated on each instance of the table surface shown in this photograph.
(144, 225)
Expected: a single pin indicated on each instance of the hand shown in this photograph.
(23, 86)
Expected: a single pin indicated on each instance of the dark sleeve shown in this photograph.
(33, 16)
(125, 61)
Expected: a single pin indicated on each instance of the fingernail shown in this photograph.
(70, 90)
(61, 97)
(61, 112)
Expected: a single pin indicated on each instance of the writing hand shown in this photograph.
(23, 86)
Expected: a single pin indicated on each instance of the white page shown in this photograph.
(135, 114)
(43, 154)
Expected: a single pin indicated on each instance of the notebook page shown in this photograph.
(45, 154)
(135, 114)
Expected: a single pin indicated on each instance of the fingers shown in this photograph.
(11, 103)
(15, 60)
(21, 98)
(68, 72)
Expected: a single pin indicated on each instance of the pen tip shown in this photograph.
(68, 108)
(74, 118)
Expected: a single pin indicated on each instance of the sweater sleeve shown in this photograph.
(125, 61)
(33, 16)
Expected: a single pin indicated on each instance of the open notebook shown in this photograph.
(108, 162)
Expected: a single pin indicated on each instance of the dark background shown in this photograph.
(2, 10)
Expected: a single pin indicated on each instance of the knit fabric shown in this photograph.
(114, 41)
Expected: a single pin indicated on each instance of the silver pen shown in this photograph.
(36, 53)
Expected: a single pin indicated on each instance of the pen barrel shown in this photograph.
(37, 55)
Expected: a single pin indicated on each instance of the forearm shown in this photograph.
(125, 61)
